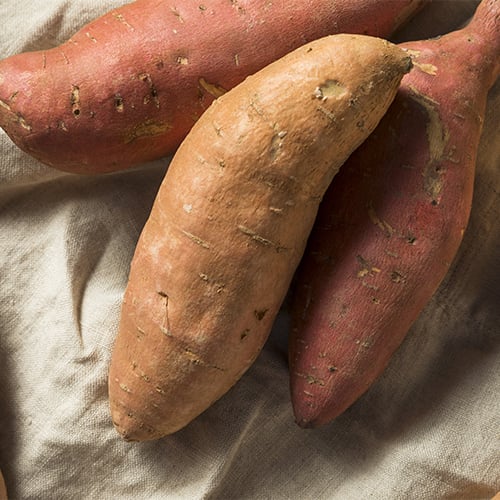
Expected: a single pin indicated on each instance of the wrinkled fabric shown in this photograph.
(427, 429)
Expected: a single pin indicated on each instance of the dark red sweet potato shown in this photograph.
(128, 86)
(391, 222)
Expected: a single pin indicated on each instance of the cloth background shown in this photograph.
(427, 429)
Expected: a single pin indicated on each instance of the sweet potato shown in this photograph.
(230, 223)
(3, 489)
(127, 87)
(391, 222)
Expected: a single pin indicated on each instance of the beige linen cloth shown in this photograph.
(427, 429)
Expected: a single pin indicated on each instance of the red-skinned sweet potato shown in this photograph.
(392, 222)
(127, 87)
(230, 223)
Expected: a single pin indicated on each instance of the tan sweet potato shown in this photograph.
(391, 222)
(3, 489)
(127, 87)
(230, 223)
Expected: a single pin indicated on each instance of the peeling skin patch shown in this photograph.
(437, 138)
(428, 68)
(182, 60)
(330, 88)
(212, 88)
(148, 128)
(413, 53)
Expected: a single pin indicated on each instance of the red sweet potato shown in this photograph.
(230, 223)
(127, 87)
(391, 222)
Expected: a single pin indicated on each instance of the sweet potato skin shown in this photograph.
(230, 223)
(391, 222)
(3, 489)
(127, 87)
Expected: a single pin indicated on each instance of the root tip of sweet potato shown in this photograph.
(131, 429)
(306, 418)
(314, 418)
(305, 423)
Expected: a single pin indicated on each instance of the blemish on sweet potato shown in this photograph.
(152, 96)
(259, 314)
(386, 228)
(149, 128)
(124, 388)
(196, 239)
(177, 14)
(121, 19)
(213, 89)
(330, 88)
(311, 379)
(91, 37)
(118, 103)
(257, 237)
(398, 277)
(75, 101)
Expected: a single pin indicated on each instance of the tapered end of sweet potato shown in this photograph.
(3, 489)
(312, 410)
(129, 428)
